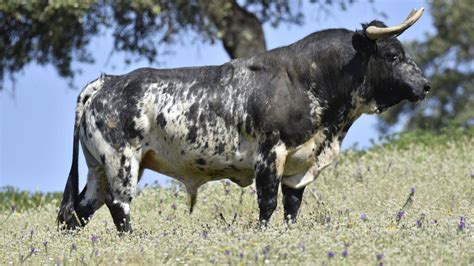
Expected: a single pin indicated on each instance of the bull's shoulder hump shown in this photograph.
(184, 75)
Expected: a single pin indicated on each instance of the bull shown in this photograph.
(278, 117)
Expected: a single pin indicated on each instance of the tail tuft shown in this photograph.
(71, 190)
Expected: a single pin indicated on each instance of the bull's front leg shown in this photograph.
(268, 172)
(292, 198)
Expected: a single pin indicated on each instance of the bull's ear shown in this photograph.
(363, 44)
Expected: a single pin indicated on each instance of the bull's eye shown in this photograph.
(393, 58)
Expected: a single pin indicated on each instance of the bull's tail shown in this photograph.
(71, 191)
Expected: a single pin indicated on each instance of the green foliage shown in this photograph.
(46, 32)
(58, 32)
(419, 137)
(447, 58)
(12, 199)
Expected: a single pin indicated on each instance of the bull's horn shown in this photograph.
(374, 33)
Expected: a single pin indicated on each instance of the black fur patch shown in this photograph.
(160, 120)
(201, 161)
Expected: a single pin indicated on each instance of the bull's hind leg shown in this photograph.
(92, 196)
(123, 181)
(292, 198)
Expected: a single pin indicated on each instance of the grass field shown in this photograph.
(394, 204)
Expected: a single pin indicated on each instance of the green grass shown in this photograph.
(224, 229)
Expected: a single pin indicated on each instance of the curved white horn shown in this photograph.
(374, 33)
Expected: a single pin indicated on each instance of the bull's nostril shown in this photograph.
(427, 88)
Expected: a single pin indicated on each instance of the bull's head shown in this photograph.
(392, 75)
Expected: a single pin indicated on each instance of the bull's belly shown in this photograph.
(196, 166)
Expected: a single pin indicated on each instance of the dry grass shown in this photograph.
(223, 228)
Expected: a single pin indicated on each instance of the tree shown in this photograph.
(447, 58)
(58, 32)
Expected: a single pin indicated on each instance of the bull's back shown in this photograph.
(183, 121)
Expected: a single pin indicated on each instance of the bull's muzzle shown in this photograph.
(419, 92)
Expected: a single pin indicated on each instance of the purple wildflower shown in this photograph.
(418, 223)
(266, 251)
(400, 215)
(363, 217)
(227, 191)
(331, 254)
(93, 239)
(462, 223)
(33, 251)
(173, 206)
(327, 220)
(205, 234)
(412, 190)
(301, 246)
(380, 256)
(344, 253)
(434, 221)
(241, 255)
(227, 252)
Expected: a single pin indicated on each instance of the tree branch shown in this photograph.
(241, 31)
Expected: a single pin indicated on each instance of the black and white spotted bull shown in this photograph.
(278, 117)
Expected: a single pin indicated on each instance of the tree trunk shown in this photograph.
(242, 33)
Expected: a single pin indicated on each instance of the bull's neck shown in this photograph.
(335, 90)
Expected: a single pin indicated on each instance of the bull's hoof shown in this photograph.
(68, 220)
(124, 229)
(263, 225)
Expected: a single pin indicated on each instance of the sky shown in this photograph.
(37, 115)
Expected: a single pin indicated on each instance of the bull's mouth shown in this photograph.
(412, 95)
(381, 108)
(382, 105)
